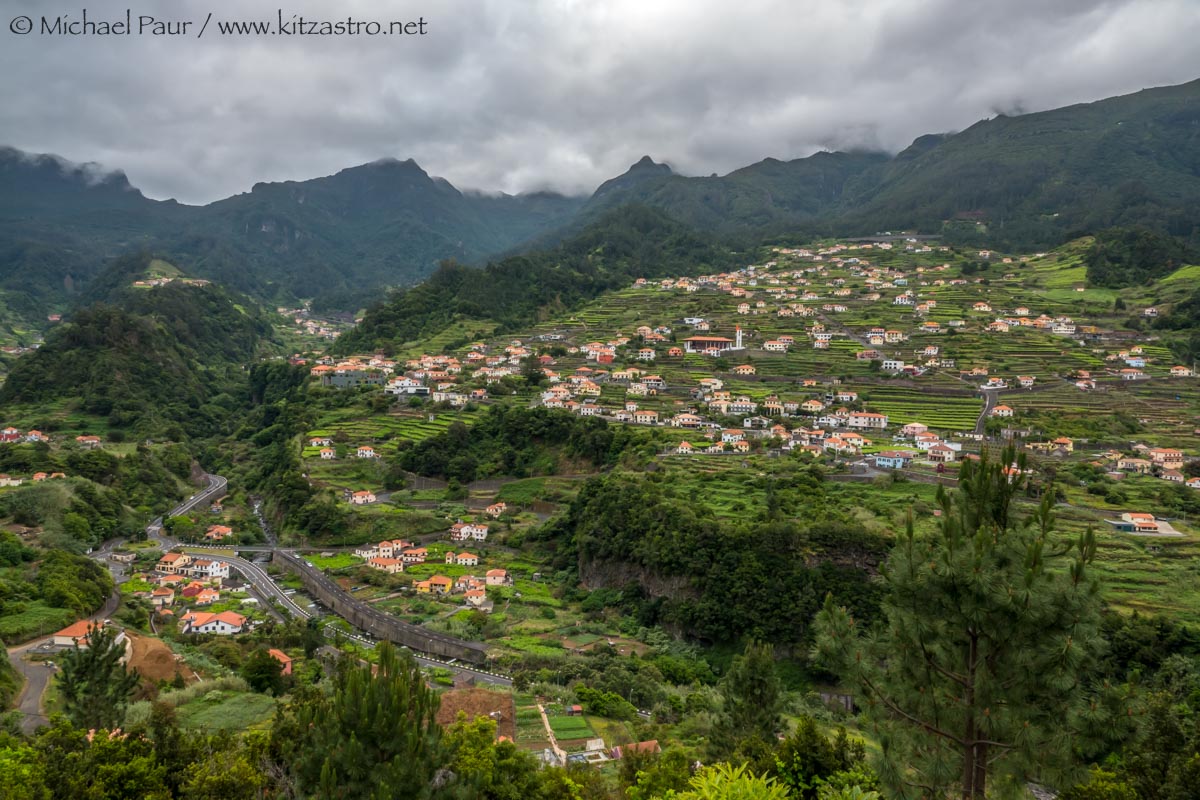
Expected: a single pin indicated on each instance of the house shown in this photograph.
(867, 420)
(413, 555)
(162, 596)
(685, 449)
(1138, 465)
(365, 451)
(208, 569)
(283, 658)
(389, 565)
(206, 597)
(703, 344)
(8, 480)
(475, 597)
(88, 442)
(913, 428)
(496, 509)
(1135, 522)
(1026, 381)
(405, 385)
(224, 623)
(320, 441)
(461, 531)
(497, 577)
(1167, 457)
(328, 453)
(76, 634)
(216, 533)
(731, 435)
(1181, 372)
(1001, 411)
(173, 563)
(1173, 475)
(362, 498)
(893, 459)
(941, 454)
(744, 369)
(438, 584)
(463, 559)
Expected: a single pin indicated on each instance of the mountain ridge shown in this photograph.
(1016, 182)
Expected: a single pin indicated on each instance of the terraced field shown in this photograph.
(904, 405)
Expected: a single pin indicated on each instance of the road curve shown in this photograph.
(37, 676)
(215, 488)
(256, 576)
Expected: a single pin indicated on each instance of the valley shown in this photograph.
(673, 485)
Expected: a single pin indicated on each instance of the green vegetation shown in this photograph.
(95, 686)
(1122, 257)
(673, 560)
(517, 442)
(992, 628)
(628, 243)
(160, 364)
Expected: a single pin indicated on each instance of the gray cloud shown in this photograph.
(517, 95)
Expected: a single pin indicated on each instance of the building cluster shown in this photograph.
(393, 556)
(193, 582)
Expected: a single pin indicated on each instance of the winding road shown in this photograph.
(37, 675)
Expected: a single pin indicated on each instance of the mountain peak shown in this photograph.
(648, 163)
(645, 169)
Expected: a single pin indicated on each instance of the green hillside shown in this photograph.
(1020, 182)
(153, 360)
(625, 244)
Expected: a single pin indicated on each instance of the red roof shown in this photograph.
(77, 630)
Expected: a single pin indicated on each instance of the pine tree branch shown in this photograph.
(891, 704)
(960, 680)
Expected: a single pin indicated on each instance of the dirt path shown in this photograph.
(558, 751)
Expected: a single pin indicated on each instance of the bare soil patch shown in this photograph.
(153, 659)
(479, 702)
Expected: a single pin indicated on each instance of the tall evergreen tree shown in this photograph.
(977, 681)
(94, 683)
(752, 707)
(373, 736)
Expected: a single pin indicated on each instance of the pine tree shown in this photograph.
(752, 706)
(94, 682)
(977, 680)
(374, 736)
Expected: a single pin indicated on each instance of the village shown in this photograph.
(863, 343)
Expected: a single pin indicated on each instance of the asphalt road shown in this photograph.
(37, 675)
(216, 488)
(257, 577)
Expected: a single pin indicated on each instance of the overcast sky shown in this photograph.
(517, 95)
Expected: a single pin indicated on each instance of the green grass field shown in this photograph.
(220, 711)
